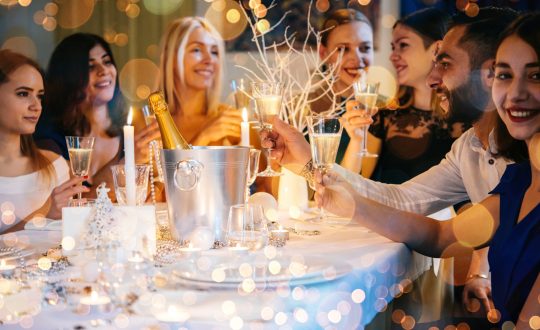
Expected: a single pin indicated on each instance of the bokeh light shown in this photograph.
(137, 73)
(162, 7)
(408, 322)
(25, 3)
(263, 26)
(44, 263)
(133, 10)
(227, 17)
(267, 313)
(322, 5)
(461, 256)
(461, 4)
(364, 2)
(8, 3)
(463, 326)
(121, 321)
(21, 44)
(51, 9)
(494, 316)
(397, 316)
(358, 296)
(472, 9)
(68, 243)
(39, 17)
(49, 23)
(121, 39)
(260, 10)
(476, 229)
(74, 13)
(534, 322)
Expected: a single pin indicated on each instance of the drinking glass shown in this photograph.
(141, 183)
(366, 95)
(246, 226)
(268, 101)
(80, 155)
(253, 168)
(324, 136)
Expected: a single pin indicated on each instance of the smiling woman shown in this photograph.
(84, 99)
(191, 71)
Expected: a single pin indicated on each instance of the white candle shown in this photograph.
(238, 250)
(280, 233)
(244, 129)
(4, 267)
(190, 251)
(94, 299)
(173, 314)
(129, 156)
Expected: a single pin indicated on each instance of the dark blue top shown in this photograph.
(51, 137)
(514, 253)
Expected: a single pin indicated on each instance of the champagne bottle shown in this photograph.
(170, 136)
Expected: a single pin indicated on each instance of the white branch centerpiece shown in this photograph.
(312, 78)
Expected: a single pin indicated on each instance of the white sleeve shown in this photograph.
(439, 187)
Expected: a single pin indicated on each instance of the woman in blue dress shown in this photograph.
(509, 220)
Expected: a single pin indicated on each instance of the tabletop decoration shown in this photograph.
(305, 78)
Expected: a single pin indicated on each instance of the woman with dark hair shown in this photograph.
(415, 136)
(509, 220)
(84, 99)
(33, 182)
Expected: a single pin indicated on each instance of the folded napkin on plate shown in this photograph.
(44, 224)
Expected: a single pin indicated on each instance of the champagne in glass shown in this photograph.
(324, 147)
(324, 137)
(80, 155)
(268, 101)
(366, 95)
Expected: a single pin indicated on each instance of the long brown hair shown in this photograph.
(9, 62)
(526, 29)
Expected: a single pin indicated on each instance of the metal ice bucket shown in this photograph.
(201, 185)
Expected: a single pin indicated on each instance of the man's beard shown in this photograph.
(467, 103)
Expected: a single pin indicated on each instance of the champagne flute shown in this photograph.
(253, 168)
(366, 95)
(268, 101)
(324, 136)
(242, 100)
(80, 155)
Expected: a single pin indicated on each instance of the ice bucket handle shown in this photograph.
(187, 174)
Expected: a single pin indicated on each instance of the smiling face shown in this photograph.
(102, 77)
(201, 60)
(459, 88)
(409, 57)
(20, 101)
(355, 41)
(516, 88)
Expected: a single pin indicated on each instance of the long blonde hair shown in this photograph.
(173, 47)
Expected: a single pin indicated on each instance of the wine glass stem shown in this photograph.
(364, 139)
(269, 158)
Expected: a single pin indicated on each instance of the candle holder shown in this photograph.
(277, 241)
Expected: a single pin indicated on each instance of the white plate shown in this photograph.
(311, 270)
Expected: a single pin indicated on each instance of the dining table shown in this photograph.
(328, 274)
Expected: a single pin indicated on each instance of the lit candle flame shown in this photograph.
(130, 116)
(244, 115)
(94, 295)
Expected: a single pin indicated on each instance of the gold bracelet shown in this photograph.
(307, 173)
(473, 276)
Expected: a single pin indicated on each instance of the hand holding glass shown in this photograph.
(80, 155)
(268, 101)
(366, 95)
(324, 136)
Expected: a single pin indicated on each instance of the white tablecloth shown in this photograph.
(378, 267)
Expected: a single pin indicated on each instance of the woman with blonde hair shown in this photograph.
(191, 66)
(33, 182)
